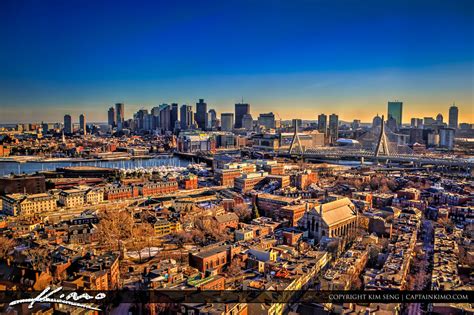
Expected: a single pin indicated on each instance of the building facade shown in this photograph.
(241, 109)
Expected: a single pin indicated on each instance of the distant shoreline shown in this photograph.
(32, 159)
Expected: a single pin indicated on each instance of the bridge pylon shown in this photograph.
(382, 143)
(296, 139)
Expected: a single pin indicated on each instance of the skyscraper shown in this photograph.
(227, 121)
(120, 115)
(446, 138)
(149, 122)
(453, 117)
(417, 123)
(67, 124)
(333, 128)
(165, 117)
(201, 113)
(355, 124)
(139, 119)
(186, 116)
(298, 122)
(267, 120)
(82, 124)
(323, 123)
(376, 122)
(392, 123)
(212, 117)
(395, 110)
(241, 109)
(247, 122)
(111, 117)
(155, 118)
(439, 118)
(174, 115)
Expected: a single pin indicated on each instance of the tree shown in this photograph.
(392, 184)
(181, 238)
(113, 227)
(374, 183)
(235, 268)
(356, 284)
(255, 212)
(243, 211)
(358, 184)
(38, 257)
(333, 247)
(374, 252)
(198, 236)
(6, 246)
(383, 188)
(141, 235)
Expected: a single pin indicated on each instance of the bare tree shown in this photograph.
(198, 236)
(243, 211)
(234, 270)
(358, 184)
(235, 267)
(6, 246)
(38, 258)
(383, 188)
(113, 227)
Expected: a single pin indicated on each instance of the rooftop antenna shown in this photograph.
(242, 99)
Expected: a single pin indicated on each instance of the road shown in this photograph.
(427, 228)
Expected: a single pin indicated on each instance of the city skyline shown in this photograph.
(131, 109)
(321, 56)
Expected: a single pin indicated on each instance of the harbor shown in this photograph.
(30, 166)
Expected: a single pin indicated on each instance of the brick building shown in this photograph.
(227, 220)
(190, 182)
(214, 258)
(157, 188)
(293, 213)
(120, 192)
(22, 184)
(247, 182)
(270, 204)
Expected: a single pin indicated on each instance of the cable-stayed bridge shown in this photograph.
(379, 145)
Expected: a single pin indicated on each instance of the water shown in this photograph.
(32, 167)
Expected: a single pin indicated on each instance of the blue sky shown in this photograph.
(348, 57)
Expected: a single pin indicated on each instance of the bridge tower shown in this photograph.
(296, 139)
(382, 143)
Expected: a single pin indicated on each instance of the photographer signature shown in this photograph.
(71, 299)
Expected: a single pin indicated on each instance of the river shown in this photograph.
(32, 167)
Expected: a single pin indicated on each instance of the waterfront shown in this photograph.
(32, 167)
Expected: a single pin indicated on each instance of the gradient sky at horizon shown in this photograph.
(296, 58)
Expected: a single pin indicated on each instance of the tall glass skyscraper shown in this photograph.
(323, 123)
(111, 117)
(67, 124)
(333, 128)
(186, 116)
(82, 123)
(201, 113)
(241, 109)
(453, 117)
(174, 115)
(395, 110)
(120, 114)
(227, 121)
